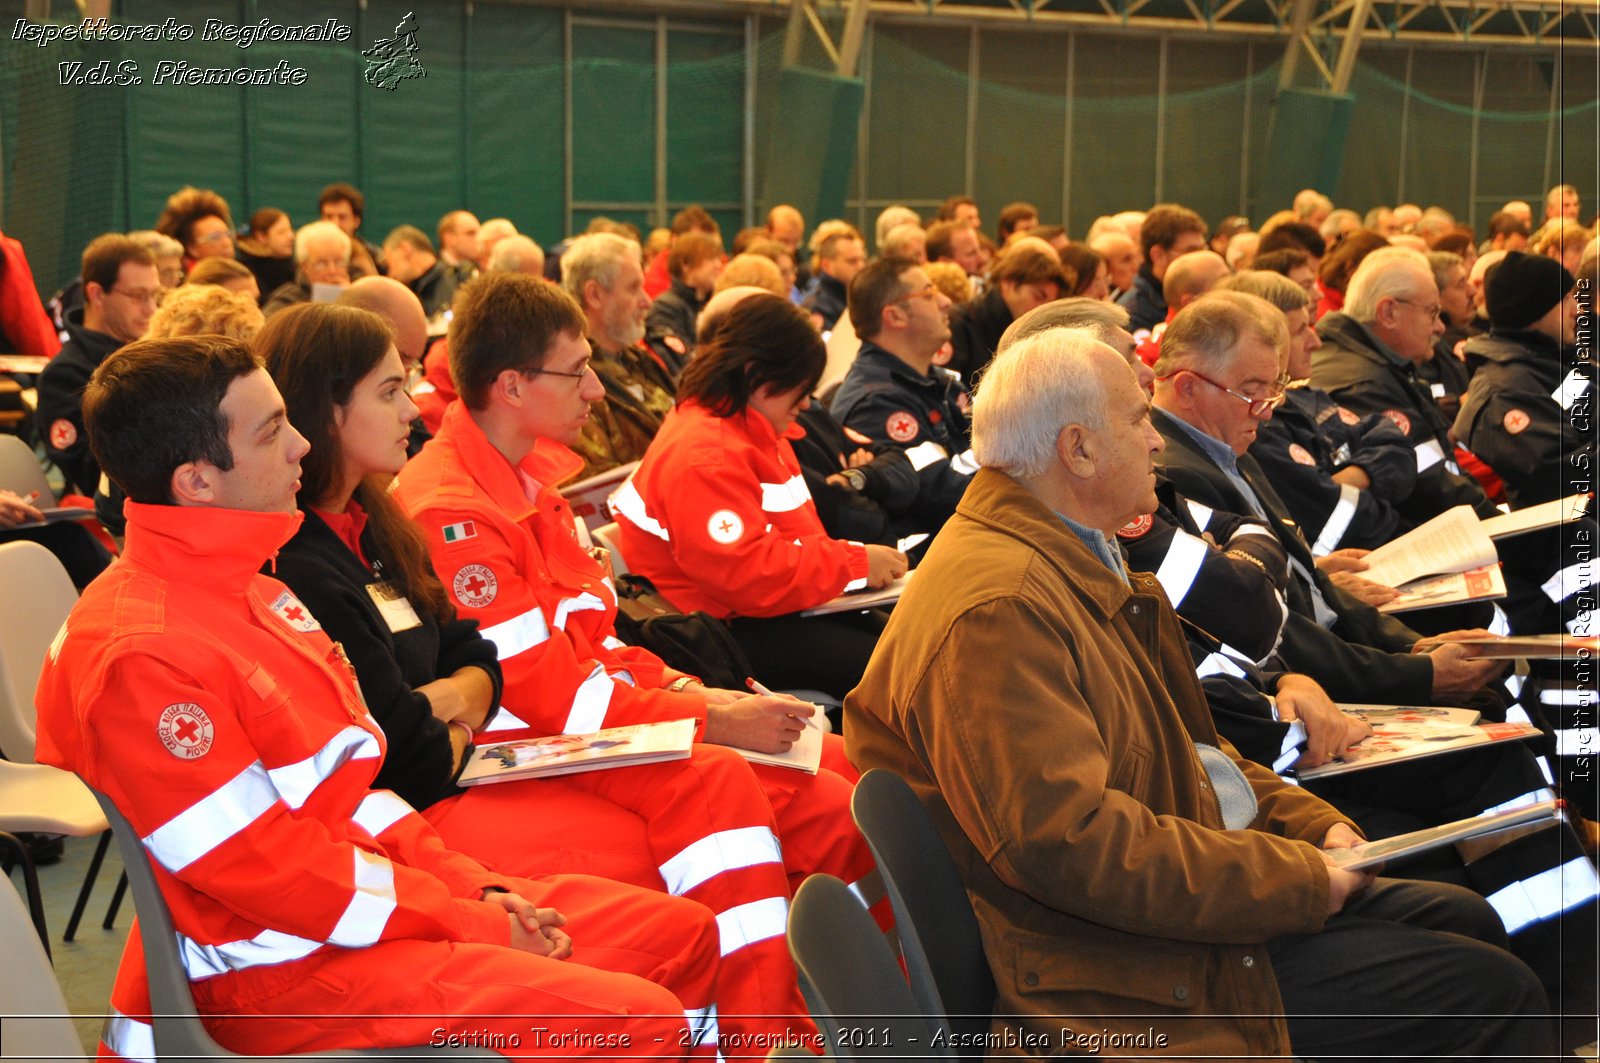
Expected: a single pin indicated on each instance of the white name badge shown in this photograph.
(1438, 390)
(1571, 390)
(393, 607)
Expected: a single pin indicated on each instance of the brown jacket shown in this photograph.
(1046, 714)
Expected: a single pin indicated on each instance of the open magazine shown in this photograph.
(1366, 854)
(1452, 588)
(1454, 541)
(567, 754)
(1408, 732)
(1556, 647)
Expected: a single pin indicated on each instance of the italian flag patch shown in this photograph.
(455, 533)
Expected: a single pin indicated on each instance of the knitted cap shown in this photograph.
(1521, 288)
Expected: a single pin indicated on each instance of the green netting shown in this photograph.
(1080, 124)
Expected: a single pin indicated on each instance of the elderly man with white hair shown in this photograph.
(321, 256)
(1368, 362)
(1136, 881)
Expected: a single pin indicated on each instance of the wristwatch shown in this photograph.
(682, 681)
(857, 480)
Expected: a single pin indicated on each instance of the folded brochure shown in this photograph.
(1475, 585)
(1366, 854)
(567, 754)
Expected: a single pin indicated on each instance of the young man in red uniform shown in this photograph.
(504, 541)
(206, 702)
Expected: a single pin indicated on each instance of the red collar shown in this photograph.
(348, 526)
(218, 548)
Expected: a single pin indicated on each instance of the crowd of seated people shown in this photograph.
(372, 437)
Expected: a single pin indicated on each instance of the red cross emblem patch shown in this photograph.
(901, 426)
(63, 433)
(1348, 416)
(1515, 421)
(1401, 421)
(475, 586)
(1301, 455)
(1136, 527)
(725, 527)
(186, 731)
(294, 612)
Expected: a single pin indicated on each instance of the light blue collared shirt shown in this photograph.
(1226, 460)
(1100, 546)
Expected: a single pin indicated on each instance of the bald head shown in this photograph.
(717, 307)
(399, 306)
(1191, 276)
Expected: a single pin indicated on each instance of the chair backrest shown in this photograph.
(939, 936)
(37, 1023)
(21, 472)
(606, 535)
(850, 979)
(39, 594)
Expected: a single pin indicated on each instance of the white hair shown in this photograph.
(1032, 390)
(1389, 272)
(316, 232)
(890, 219)
(596, 257)
(512, 254)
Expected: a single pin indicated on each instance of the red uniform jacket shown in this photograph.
(719, 518)
(505, 545)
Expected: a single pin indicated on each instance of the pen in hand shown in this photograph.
(759, 688)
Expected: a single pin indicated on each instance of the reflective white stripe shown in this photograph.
(611, 642)
(519, 634)
(855, 585)
(1181, 565)
(1560, 696)
(869, 888)
(1547, 894)
(1294, 737)
(297, 782)
(703, 1028)
(746, 924)
(131, 1039)
(1218, 664)
(1577, 741)
(1251, 528)
(380, 810)
(924, 454)
(785, 497)
(265, 949)
(368, 911)
(589, 703)
(212, 820)
(1515, 714)
(1429, 454)
(582, 603)
(717, 852)
(1338, 521)
(627, 503)
(964, 463)
(624, 676)
(1568, 581)
(1200, 512)
(1530, 798)
(1544, 764)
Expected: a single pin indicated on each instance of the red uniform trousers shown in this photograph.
(640, 961)
(700, 828)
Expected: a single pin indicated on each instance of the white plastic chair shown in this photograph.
(36, 797)
(21, 472)
(37, 1022)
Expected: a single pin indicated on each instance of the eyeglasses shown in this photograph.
(214, 238)
(930, 293)
(1258, 407)
(148, 296)
(1431, 311)
(584, 371)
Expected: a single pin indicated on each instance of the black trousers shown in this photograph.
(826, 653)
(1410, 970)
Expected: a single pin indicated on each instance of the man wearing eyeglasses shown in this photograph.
(1221, 374)
(120, 286)
(1368, 362)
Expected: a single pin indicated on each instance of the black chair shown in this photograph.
(179, 1033)
(851, 980)
(939, 936)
